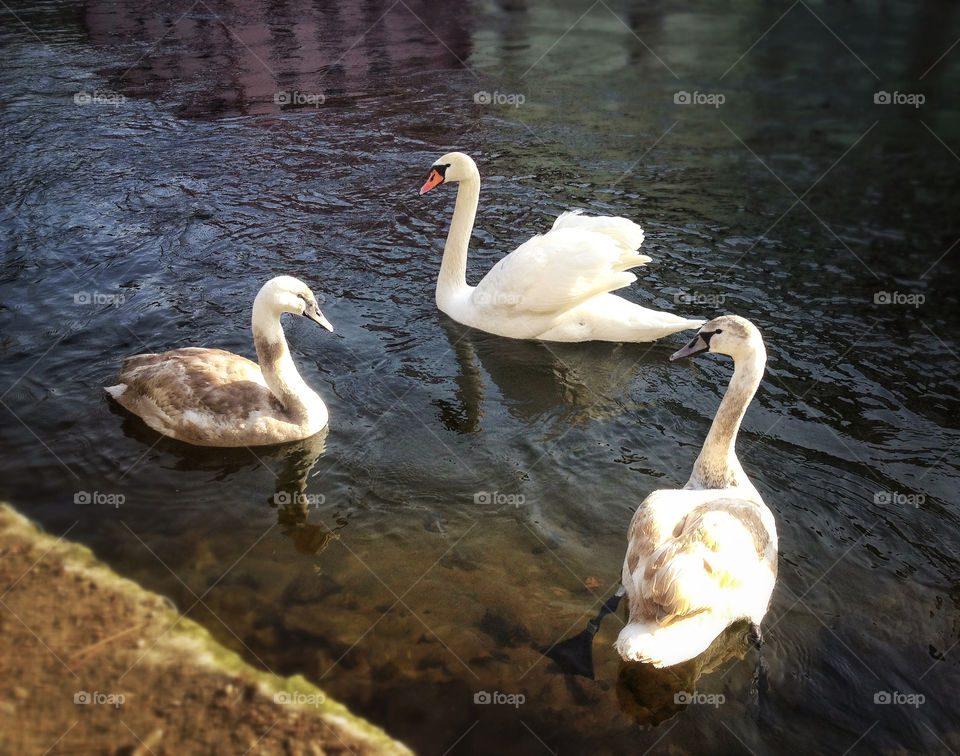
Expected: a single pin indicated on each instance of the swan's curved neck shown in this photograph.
(279, 371)
(718, 466)
(453, 268)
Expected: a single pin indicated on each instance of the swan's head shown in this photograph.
(728, 334)
(454, 166)
(288, 294)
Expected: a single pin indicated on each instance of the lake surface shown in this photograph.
(469, 504)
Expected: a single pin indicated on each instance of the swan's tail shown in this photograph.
(664, 646)
(617, 319)
(116, 391)
(649, 325)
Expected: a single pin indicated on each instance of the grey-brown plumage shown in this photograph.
(210, 397)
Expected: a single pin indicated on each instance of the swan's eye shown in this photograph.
(441, 169)
(707, 336)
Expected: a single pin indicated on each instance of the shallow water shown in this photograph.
(470, 488)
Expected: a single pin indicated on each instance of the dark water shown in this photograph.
(402, 589)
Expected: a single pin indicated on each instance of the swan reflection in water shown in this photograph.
(292, 501)
(566, 383)
(649, 695)
(290, 497)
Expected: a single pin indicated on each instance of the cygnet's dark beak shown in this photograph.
(313, 312)
(697, 344)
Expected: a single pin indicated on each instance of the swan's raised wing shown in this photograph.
(561, 269)
(715, 550)
(625, 232)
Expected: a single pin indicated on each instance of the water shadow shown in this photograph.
(650, 696)
(290, 497)
(567, 383)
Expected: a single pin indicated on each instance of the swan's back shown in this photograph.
(207, 397)
(554, 272)
(696, 561)
(698, 558)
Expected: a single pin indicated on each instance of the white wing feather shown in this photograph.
(625, 232)
(580, 258)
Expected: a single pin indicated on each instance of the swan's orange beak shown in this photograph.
(434, 179)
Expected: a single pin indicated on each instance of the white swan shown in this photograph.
(209, 397)
(554, 287)
(702, 557)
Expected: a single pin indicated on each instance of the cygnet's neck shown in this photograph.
(718, 466)
(278, 368)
